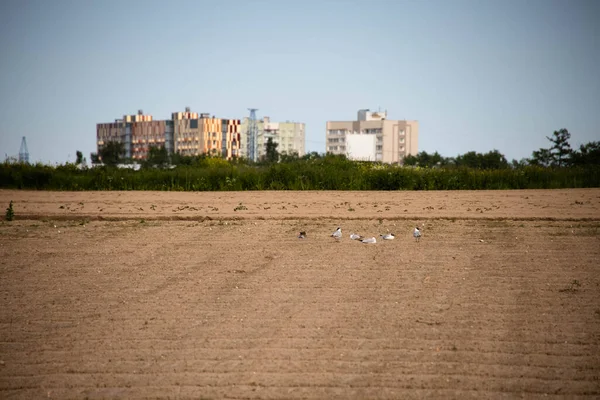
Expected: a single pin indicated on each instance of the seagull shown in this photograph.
(302, 235)
(369, 240)
(417, 233)
(388, 236)
(354, 236)
(337, 234)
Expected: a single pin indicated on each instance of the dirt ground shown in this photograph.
(211, 295)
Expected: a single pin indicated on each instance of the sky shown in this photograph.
(478, 75)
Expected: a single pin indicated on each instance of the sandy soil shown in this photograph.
(521, 204)
(178, 295)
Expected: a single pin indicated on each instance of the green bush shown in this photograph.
(326, 173)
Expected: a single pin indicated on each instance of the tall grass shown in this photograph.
(328, 173)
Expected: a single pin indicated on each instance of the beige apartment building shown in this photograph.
(290, 136)
(372, 137)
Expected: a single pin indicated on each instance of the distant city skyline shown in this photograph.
(477, 75)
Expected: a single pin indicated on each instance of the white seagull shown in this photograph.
(369, 240)
(337, 234)
(354, 236)
(417, 233)
(388, 236)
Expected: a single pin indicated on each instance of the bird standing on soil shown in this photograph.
(354, 236)
(417, 233)
(337, 234)
(388, 236)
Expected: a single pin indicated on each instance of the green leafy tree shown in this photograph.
(313, 155)
(112, 153)
(271, 153)
(588, 154)
(157, 156)
(494, 160)
(541, 157)
(490, 160)
(410, 160)
(561, 149)
(424, 159)
(94, 158)
(469, 160)
(515, 164)
(558, 155)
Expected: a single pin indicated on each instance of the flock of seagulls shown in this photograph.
(337, 235)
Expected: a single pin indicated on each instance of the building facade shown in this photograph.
(186, 133)
(372, 137)
(289, 136)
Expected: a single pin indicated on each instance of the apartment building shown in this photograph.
(187, 133)
(372, 137)
(220, 136)
(289, 136)
(124, 129)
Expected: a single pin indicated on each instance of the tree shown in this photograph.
(541, 157)
(157, 156)
(79, 159)
(493, 160)
(423, 159)
(561, 149)
(469, 160)
(559, 155)
(272, 155)
(313, 155)
(490, 160)
(515, 164)
(94, 158)
(112, 153)
(588, 154)
(410, 160)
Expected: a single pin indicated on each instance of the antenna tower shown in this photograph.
(252, 135)
(23, 152)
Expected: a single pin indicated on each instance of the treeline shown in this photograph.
(547, 169)
(327, 172)
(559, 154)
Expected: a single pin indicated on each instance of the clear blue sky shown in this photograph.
(477, 74)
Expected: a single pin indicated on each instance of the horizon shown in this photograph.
(477, 76)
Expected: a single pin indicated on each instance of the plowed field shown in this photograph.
(212, 295)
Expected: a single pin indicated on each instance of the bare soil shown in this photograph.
(212, 295)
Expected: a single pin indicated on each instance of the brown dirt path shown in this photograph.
(501, 204)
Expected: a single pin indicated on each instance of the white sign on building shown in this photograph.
(361, 147)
